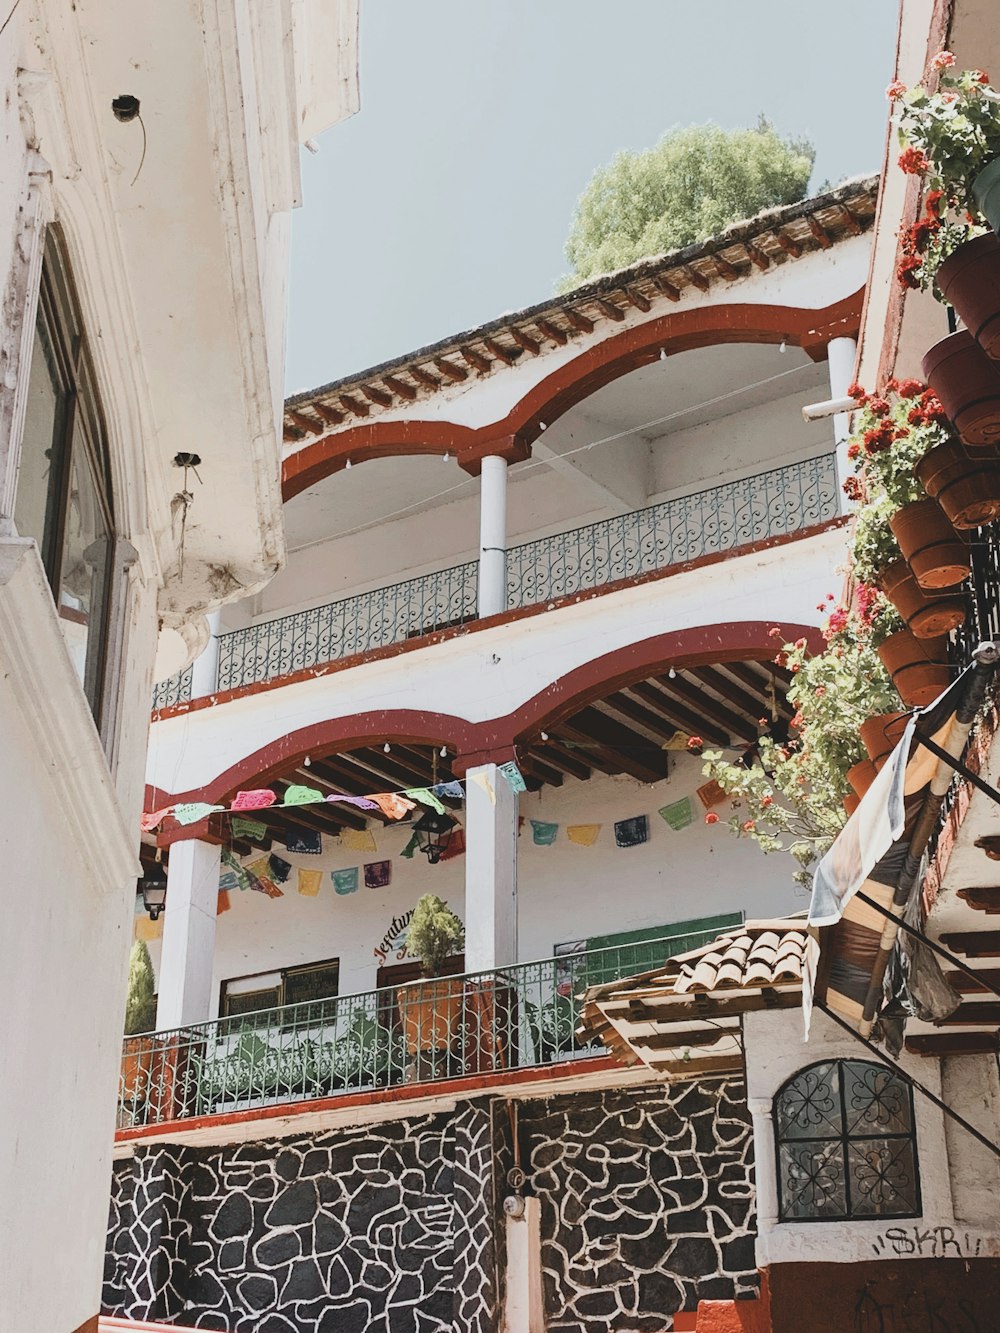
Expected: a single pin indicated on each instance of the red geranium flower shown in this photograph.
(711, 817)
(895, 90)
(749, 826)
(765, 801)
(980, 75)
(854, 450)
(913, 161)
(852, 489)
(932, 204)
(943, 60)
(910, 388)
(856, 392)
(695, 743)
(906, 272)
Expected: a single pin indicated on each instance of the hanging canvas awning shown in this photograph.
(874, 866)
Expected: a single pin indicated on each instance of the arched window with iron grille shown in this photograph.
(846, 1144)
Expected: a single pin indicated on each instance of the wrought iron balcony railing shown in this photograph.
(516, 1017)
(721, 518)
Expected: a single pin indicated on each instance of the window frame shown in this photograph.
(843, 1140)
(80, 439)
(283, 973)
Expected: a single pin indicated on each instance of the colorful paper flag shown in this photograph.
(358, 840)
(710, 793)
(514, 776)
(193, 811)
(248, 828)
(278, 869)
(297, 794)
(147, 930)
(222, 902)
(378, 874)
(585, 835)
(632, 832)
(481, 780)
(362, 802)
(309, 882)
(425, 797)
(453, 790)
(392, 804)
(233, 875)
(678, 741)
(679, 814)
(259, 868)
(345, 881)
(411, 846)
(153, 818)
(268, 886)
(253, 800)
(543, 834)
(304, 842)
(456, 845)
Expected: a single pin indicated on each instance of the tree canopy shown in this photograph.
(140, 1007)
(688, 187)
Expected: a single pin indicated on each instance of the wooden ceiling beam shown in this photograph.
(580, 322)
(982, 900)
(725, 269)
(790, 246)
(666, 287)
(721, 684)
(635, 754)
(532, 766)
(424, 377)
(640, 301)
(732, 724)
(851, 224)
(609, 309)
(953, 1043)
(377, 396)
(344, 814)
(979, 1013)
(451, 371)
(756, 256)
(745, 673)
(695, 278)
(354, 405)
(819, 234)
(974, 944)
(301, 422)
(963, 983)
(564, 759)
(400, 388)
(634, 711)
(683, 718)
(505, 354)
(477, 361)
(331, 415)
(523, 340)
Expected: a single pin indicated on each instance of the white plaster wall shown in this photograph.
(774, 1052)
(490, 672)
(565, 892)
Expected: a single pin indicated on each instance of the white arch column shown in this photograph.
(491, 814)
(841, 356)
(492, 536)
(188, 953)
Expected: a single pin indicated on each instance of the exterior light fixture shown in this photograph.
(154, 890)
(434, 832)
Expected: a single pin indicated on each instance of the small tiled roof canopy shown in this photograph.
(684, 1017)
(772, 238)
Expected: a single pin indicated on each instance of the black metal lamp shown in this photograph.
(154, 890)
(434, 832)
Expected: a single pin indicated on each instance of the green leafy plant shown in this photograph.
(873, 546)
(690, 186)
(790, 794)
(434, 934)
(948, 135)
(140, 1004)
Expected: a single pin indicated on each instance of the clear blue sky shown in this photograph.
(447, 200)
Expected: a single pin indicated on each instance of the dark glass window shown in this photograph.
(63, 495)
(846, 1144)
(297, 985)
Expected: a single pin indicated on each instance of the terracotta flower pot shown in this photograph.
(880, 734)
(918, 667)
(986, 193)
(969, 280)
(861, 776)
(968, 384)
(926, 614)
(967, 489)
(851, 802)
(931, 547)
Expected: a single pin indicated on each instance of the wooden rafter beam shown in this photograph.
(566, 760)
(552, 332)
(506, 354)
(376, 395)
(522, 339)
(732, 724)
(667, 288)
(791, 247)
(477, 361)
(756, 256)
(818, 231)
(655, 722)
(637, 299)
(962, 982)
(331, 415)
(400, 387)
(683, 718)
(725, 269)
(728, 689)
(953, 1043)
(580, 322)
(634, 754)
(532, 766)
(355, 405)
(450, 370)
(979, 1013)
(695, 278)
(301, 422)
(424, 377)
(609, 309)
(745, 673)
(851, 224)
(974, 944)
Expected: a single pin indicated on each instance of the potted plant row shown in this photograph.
(950, 136)
(431, 1008)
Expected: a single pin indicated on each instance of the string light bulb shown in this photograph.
(386, 748)
(545, 735)
(542, 426)
(783, 346)
(446, 456)
(663, 354)
(672, 674)
(308, 761)
(348, 464)
(444, 752)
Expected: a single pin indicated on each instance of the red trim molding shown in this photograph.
(405, 1092)
(492, 740)
(573, 381)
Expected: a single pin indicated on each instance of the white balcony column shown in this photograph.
(205, 669)
(765, 1171)
(493, 536)
(841, 356)
(491, 814)
(188, 953)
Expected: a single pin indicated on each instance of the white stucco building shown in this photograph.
(148, 167)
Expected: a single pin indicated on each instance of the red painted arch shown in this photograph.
(573, 381)
(493, 740)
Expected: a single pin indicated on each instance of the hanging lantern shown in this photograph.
(154, 890)
(434, 833)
